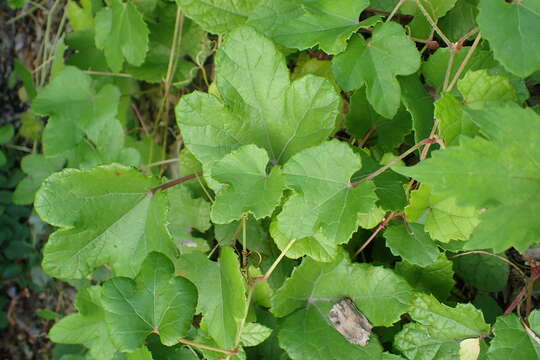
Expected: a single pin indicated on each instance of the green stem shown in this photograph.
(434, 24)
(206, 347)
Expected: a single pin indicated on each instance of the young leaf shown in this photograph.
(156, 301)
(324, 198)
(381, 295)
(106, 216)
(38, 168)
(222, 299)
(445, 220)
(86, 327)
(122, 34)
(454, 121)
(411, 243)
(260, 106)
(487, 173)
(376, 63)
(479, 89)
(218, 16)
(512, 29)
(253, 334)
(249, 188)
(304, 24)
(508, 333)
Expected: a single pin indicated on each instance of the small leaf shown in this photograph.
(6, 133)
(154, 302)
(122, 34)
(375, 63)
(454, 121)
(479, 89)
(411, 243)
(469, 349)
(484, 272)
(38, 168)
(253, 334)
(415, 343)
(249, 188)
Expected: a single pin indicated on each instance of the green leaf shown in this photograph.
(324, 199)
(363, 120)
(218, 16)
(260, 107)
(106, 216)
(38, 168)
(82, 121)
(487, 173)
(479, 89)
(381, 294)
(222, 299)
(87, 326)
(508, 334)
(186, 214)
(436, 278)
(411, 243)
(484, 272)
(304, 24)
(308, 334)
(420, 26)
(80, 17)
(419, 104)
(534, 321)
(416, 343)
(156, 301)
(444, 220)
(454, 121)
(141, 353)
(460, 20)
(512, 32)
(375, 63)
(248, 187)
(444, 322)
(122, 34)
(6, 133)
(253, 334)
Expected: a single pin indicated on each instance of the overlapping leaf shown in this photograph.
(307, 296)
(375, 63)
(222, 300)
(122, 34)
(302, 24)
(249, 188)
(324, 199)
(106, 216)
(508, 332)
(412, 244)
(499, 173)
(156, 301)
(513, 32)
(86, 327)
(260, 106)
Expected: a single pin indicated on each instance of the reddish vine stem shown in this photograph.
(517, 300)
(381, 227)
(367, 136)
(206, 347)
(174, 182)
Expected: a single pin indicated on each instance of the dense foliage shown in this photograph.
(385, 151)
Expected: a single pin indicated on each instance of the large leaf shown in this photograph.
(106, 216)
(513, 32)
(508, 333)
(325, 201)
(87, 326)
(249, 188)
(309, 294)
(222, 299)
(122, 34)
(156, 301)
(218, 16)
(260, 105)
(303, 24)
(499, 173)
(376, 63)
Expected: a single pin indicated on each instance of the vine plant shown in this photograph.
(233, 234)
